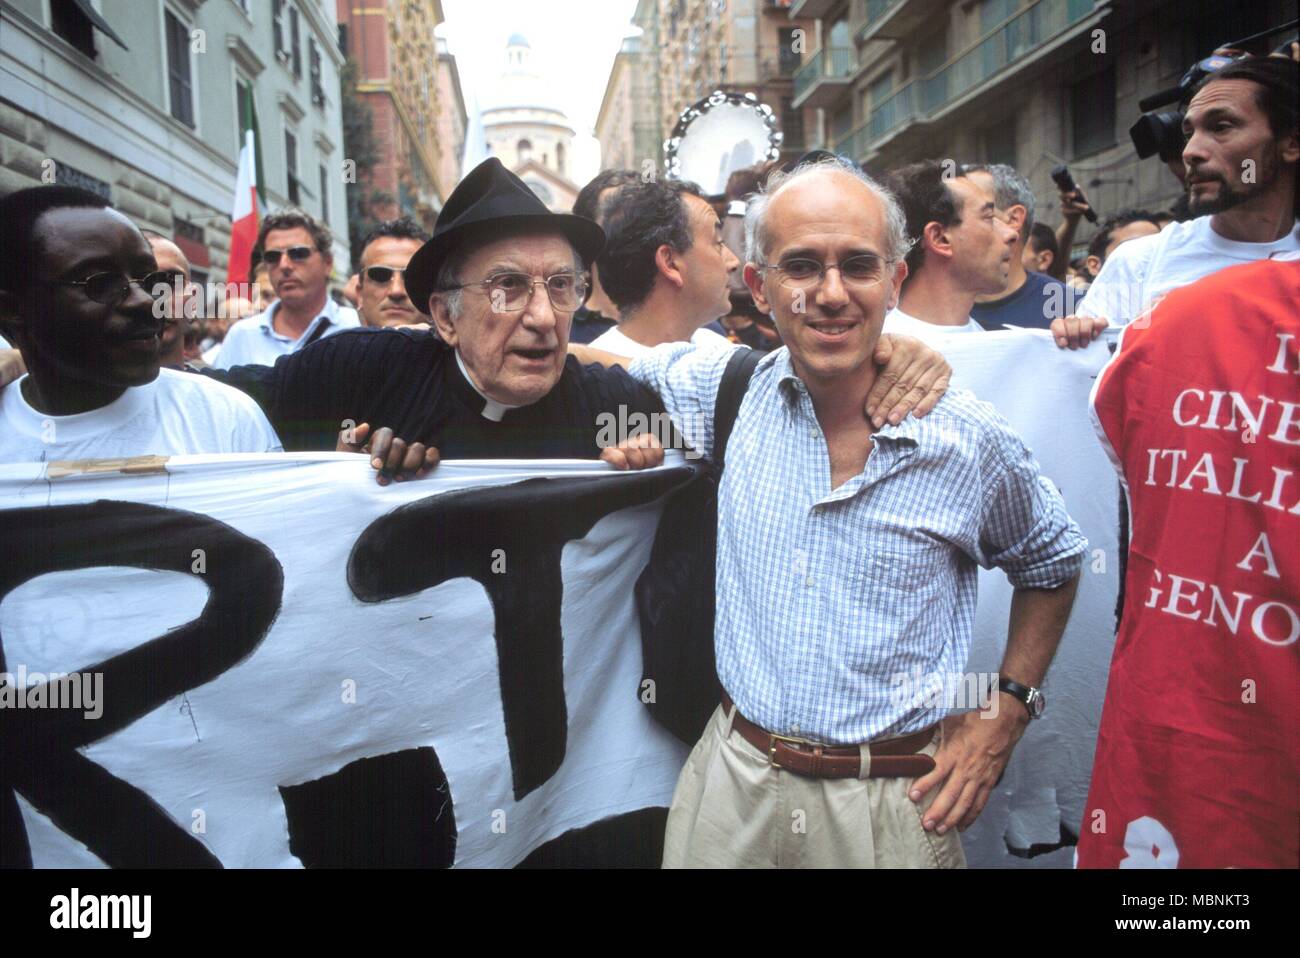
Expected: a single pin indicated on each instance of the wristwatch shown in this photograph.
(1035, 702)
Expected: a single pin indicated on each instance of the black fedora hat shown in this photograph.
(492, 203)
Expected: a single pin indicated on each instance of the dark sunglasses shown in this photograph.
(110, 289)
(298, 254)
(382, 275)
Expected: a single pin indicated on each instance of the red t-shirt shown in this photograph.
(1197, 761)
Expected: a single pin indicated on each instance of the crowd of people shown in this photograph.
(444, 346)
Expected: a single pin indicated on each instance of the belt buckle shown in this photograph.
(773, 738)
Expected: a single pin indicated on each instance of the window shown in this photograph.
(67, 21)
(881, 88)
(1000, 143)
(541, 191)
(994, 12)
(840, 34)
(317, 86)
(788, 61)
(791, 125)
(1093, 112)
(277, 29)
(179, 84)
(291, 166)
(243, 107)
(524, 149)
(295, 47)
(559, 158)
(841, 122)
(930, 56)
(343, 39)
(324, 193)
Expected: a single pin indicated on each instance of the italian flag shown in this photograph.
(243, 231)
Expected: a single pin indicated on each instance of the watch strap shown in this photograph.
(1023, 692)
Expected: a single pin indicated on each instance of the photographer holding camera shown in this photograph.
(1241, 157)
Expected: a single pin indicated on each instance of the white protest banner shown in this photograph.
(1043, 392)
(279, 663)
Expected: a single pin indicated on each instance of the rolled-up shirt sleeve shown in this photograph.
(1025, 529)
(686, 377)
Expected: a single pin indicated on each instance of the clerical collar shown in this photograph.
(492, 409)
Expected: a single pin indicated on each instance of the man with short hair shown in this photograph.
(78, 288)
(1040, 252)
(296, 248)
(848, 554)
(172, 262)
(1241, 157)
(381, 288)
(665, 265)
(598, 314)
(1115, 231)
(960, 249)
(1029, 299)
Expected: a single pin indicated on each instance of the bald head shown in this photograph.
(825, 184)
(170, 259)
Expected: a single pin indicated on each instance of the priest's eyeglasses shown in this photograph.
(510, 292)
(864, 269)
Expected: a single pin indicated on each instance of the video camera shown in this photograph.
(1161, 133)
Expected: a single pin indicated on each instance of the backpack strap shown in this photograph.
(735, 381)
(317, 333)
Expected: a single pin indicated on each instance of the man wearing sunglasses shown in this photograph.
(296, 248)
(175, 303)
(81, 296)
(381, 289)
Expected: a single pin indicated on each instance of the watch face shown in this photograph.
(1037, 703)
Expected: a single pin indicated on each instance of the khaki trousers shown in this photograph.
(732, 809)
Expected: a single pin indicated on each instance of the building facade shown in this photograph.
(741, 46)
(146, 101)
(1032, 83)
(452, 122)
(407, 82)
(530, 134)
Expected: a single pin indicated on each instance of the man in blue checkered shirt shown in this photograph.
(847, 558)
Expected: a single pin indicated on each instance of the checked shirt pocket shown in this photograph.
(908, 571)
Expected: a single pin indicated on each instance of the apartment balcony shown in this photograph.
(895, 19)
(776, 63)
(825, 76)
(809, 9)
(1004, 52)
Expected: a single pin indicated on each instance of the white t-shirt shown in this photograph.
(902, 324)
(178, 413)
(1142, 270)
(613, 341)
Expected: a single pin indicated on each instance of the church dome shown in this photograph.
(519, 88)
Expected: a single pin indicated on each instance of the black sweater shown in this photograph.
(409, 381)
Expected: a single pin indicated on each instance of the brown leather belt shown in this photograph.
(891, 758)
